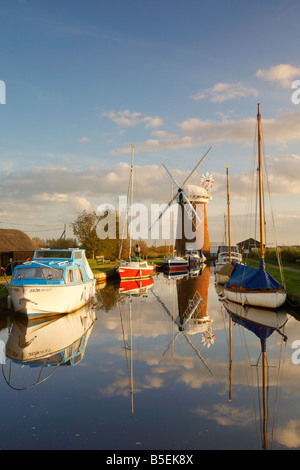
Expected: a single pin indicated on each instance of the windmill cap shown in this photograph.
(194, 192)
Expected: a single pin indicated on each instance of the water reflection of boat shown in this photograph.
(54, 341)
(54, 282)
(266, 318)
(263, 323)
(135, 286)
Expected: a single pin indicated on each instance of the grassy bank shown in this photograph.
(291, 278)
(3, 290)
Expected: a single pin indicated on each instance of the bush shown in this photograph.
(289, 254)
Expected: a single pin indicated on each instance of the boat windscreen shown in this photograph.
(38, 273)
(66, 254)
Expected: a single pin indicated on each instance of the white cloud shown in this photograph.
(56, 197)
(84, 139)
(279, 130)
(282, 74)
(127, 118)
(81, 203)
(225, 91)
(195, 132)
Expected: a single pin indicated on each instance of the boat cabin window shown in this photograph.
(78, 275)
(38, 273)
(53, 254)
(77, 254)
(70, 276)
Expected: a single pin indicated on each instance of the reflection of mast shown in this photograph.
(230, 356)
(129, 366)
(265, 416)
(131, 361)
(262, 323)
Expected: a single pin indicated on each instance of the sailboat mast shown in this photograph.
(260, 185)
(131, 198)
(228, 216)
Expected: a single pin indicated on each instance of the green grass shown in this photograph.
(3, 291)
(292, 279)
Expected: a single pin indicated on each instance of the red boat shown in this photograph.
(134, 268)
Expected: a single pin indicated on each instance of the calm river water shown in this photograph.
(163, 367)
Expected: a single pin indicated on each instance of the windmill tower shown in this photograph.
(198, 196)
(192, 230)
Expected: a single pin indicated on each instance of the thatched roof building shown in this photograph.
(15, 245)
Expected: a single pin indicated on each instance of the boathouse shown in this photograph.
(247, 245)
(15, 246)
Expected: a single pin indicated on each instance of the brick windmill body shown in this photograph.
(192, 239)
(192, 232)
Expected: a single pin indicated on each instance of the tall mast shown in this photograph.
(131, 199)
(228, 216)
(260, 184)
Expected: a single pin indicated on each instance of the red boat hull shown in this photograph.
(133, 273)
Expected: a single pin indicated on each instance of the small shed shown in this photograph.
(15, 246)
(247, 245)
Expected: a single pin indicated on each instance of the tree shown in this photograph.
(84, 229)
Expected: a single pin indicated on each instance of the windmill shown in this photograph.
(187, 197)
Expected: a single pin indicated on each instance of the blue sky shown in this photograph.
(86, 79)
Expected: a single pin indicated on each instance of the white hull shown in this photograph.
(271, 299)
(38, 340)
(36, 301)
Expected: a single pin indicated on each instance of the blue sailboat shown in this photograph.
(254, 286)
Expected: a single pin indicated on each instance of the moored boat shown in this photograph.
(133, 267)
(225, 256)
(174, 264)
(252, 286)
(54, 282)
(195, 257)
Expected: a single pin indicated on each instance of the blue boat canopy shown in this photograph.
(252, 278)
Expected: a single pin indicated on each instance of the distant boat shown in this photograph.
(174, 264)
(54, 282)
(134, 267)
(195, 257)
(226, 254)
(251, 286)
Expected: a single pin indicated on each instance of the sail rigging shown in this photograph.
(252, 286)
